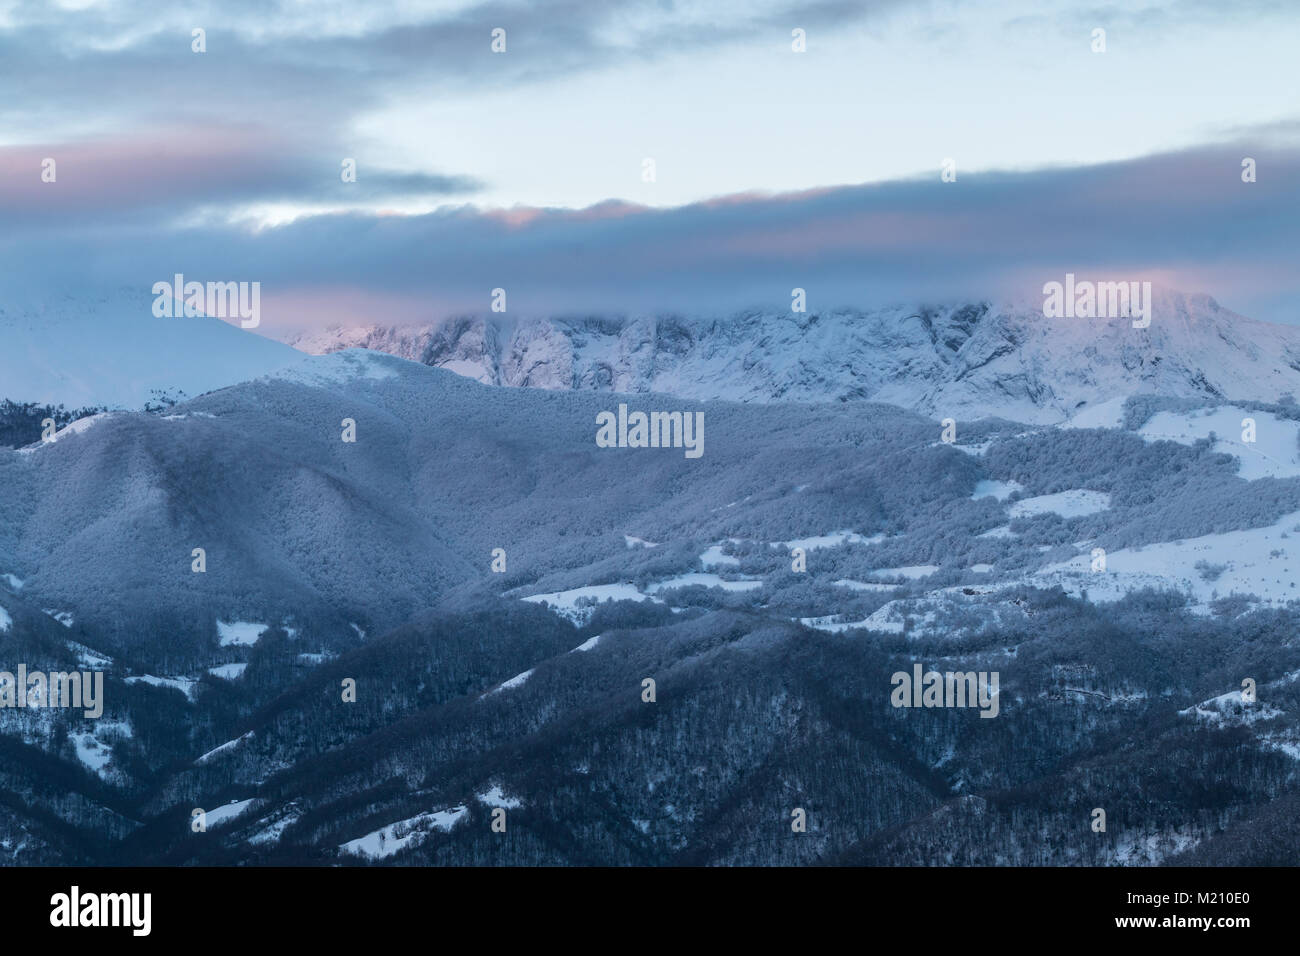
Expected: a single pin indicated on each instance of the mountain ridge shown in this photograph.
(973, 360)
(965, 361)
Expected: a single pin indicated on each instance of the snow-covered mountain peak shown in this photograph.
(969, 360)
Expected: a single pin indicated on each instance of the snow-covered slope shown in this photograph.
(114, 352)
(1272, 451)
(963, 361)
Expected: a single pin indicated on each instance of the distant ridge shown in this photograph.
(972, 360)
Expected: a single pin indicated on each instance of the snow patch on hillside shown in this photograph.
(1275, 452)
(1003, 531)
(831, 623)
(223, 749)
(713, 557)
(830, 540)
(517, 681)
(864, 585)
(95, 749)
(228, 671)
(1068, 504)
(80, 426)
(238, 632)
(578, 604)
(707, 580)
(1257, 561)
(1231, 710)
(185, 685)
(396, 837)
(93, 754)
(275, 830)
(912, 572)
(1107, 414)
(1001, 490)
(228, 812)
(89, 657)
(494, 796)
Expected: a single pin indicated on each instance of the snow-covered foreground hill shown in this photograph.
(499, 588)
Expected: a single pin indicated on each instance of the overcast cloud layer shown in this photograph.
(225, 165)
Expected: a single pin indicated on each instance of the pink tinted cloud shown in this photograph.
(152, 169)
(287, 310)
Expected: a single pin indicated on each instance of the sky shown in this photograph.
(525, 168)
